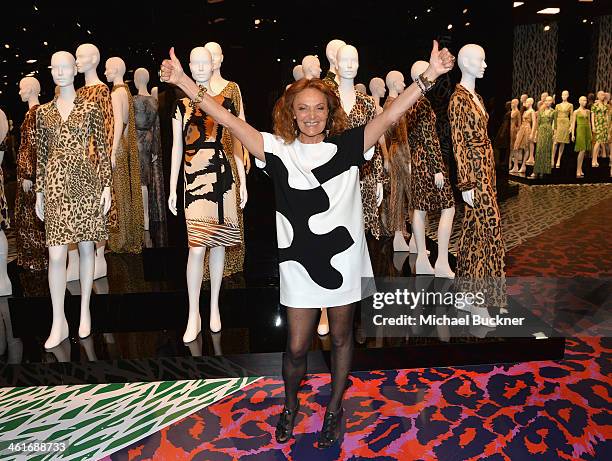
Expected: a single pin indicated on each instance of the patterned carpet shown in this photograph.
(527, 411)
(533, 211)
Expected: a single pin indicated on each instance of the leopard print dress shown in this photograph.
(398, 200)
(100, 94)
(71, 184)
(481, 247)
(31, 250)
(426, 160)
(234, 255)
(128, 237)
(372, 172)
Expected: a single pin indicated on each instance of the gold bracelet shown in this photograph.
(200, 95)
(428, 83)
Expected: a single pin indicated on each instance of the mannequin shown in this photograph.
(128, 237)
(210, 218)
(399, 167)
(523, 100)
(580, 130)
(378, 91)
(6, 287)
(524, 136)
(599, 125)
(331, 52)
(60, 165)
(515, 125)
(561, 127)
(429, 185)
(544, 141)
(298, 72)
(481, 247)
(87, 60)
(361, 88)
(31, 249)
(234, 256)
(311, 66)
(360, 109)
(149, 151)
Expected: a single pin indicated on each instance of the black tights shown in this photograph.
(302, 324)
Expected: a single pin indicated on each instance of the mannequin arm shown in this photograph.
(238, 157)
(440, 62)
(4, 126)
(117, 125)
(534, 125)
(175, 165)
(245, 152)
(172, 72)
(99, 138)
(592, 121)
(573, 125)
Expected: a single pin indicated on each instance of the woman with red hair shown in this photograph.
(313, 161)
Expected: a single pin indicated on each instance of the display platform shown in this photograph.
(566, 173)
(139, 312)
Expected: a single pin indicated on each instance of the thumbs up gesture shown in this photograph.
(171, 70)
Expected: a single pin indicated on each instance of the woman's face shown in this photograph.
(311, 111)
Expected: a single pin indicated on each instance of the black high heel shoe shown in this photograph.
(330, 432)
(284, 427)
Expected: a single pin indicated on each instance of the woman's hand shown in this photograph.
(440, 62)
(171, 70)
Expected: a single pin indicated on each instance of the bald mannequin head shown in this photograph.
(201, 64)
(471, 60)
(216, 53)
(29, 87)
(331, 52)
(115, 69)
(418, 68)
(377, 87)
(63, 68)
(395, 82)
(311, 66)
(87, 57)
(347, 61)
(298, 72)
(361, 88)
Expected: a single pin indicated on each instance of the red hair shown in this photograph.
(285, 125)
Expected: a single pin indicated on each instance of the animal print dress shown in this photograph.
(128, 237)
(426, 160)
(372, 172)
(100, 94)
(481, 247)
(210, 189)
(72, 185)
(31, 250)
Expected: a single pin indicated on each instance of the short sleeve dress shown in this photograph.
(319, 219)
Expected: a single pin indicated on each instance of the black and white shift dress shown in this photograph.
(319, 220)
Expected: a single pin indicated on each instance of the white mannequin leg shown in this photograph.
(72, 273)
(594, 162)
(216, 262)
(57, 287)
(145, 206)
(323, 327)
(579, 173)
(195, 271)
(6, 288)
(561, 149)
(524, 157)
(100, 267)
(399, 242)
(86, 275)
(445, 227)
(423, 266)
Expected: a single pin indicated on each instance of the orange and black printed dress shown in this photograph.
(210, 187)
(31, 249)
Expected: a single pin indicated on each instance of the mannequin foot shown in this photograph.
(215, 321)
(194, 327)
(6, 287)
(443, 271)
(423, 266)
(558, 165)
(323, 327)
(59, 332)
(594, 165)
(100, 267)
(533, 176)
(399, 242)
(85, 325)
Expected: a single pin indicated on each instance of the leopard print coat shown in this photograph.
(481, 247)
(71, 183)
(426, 160)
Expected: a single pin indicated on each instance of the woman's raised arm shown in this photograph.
(172, 72)
(440, 62)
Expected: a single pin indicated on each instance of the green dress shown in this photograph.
(583, 131)
(600, 113)
(544, 142)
